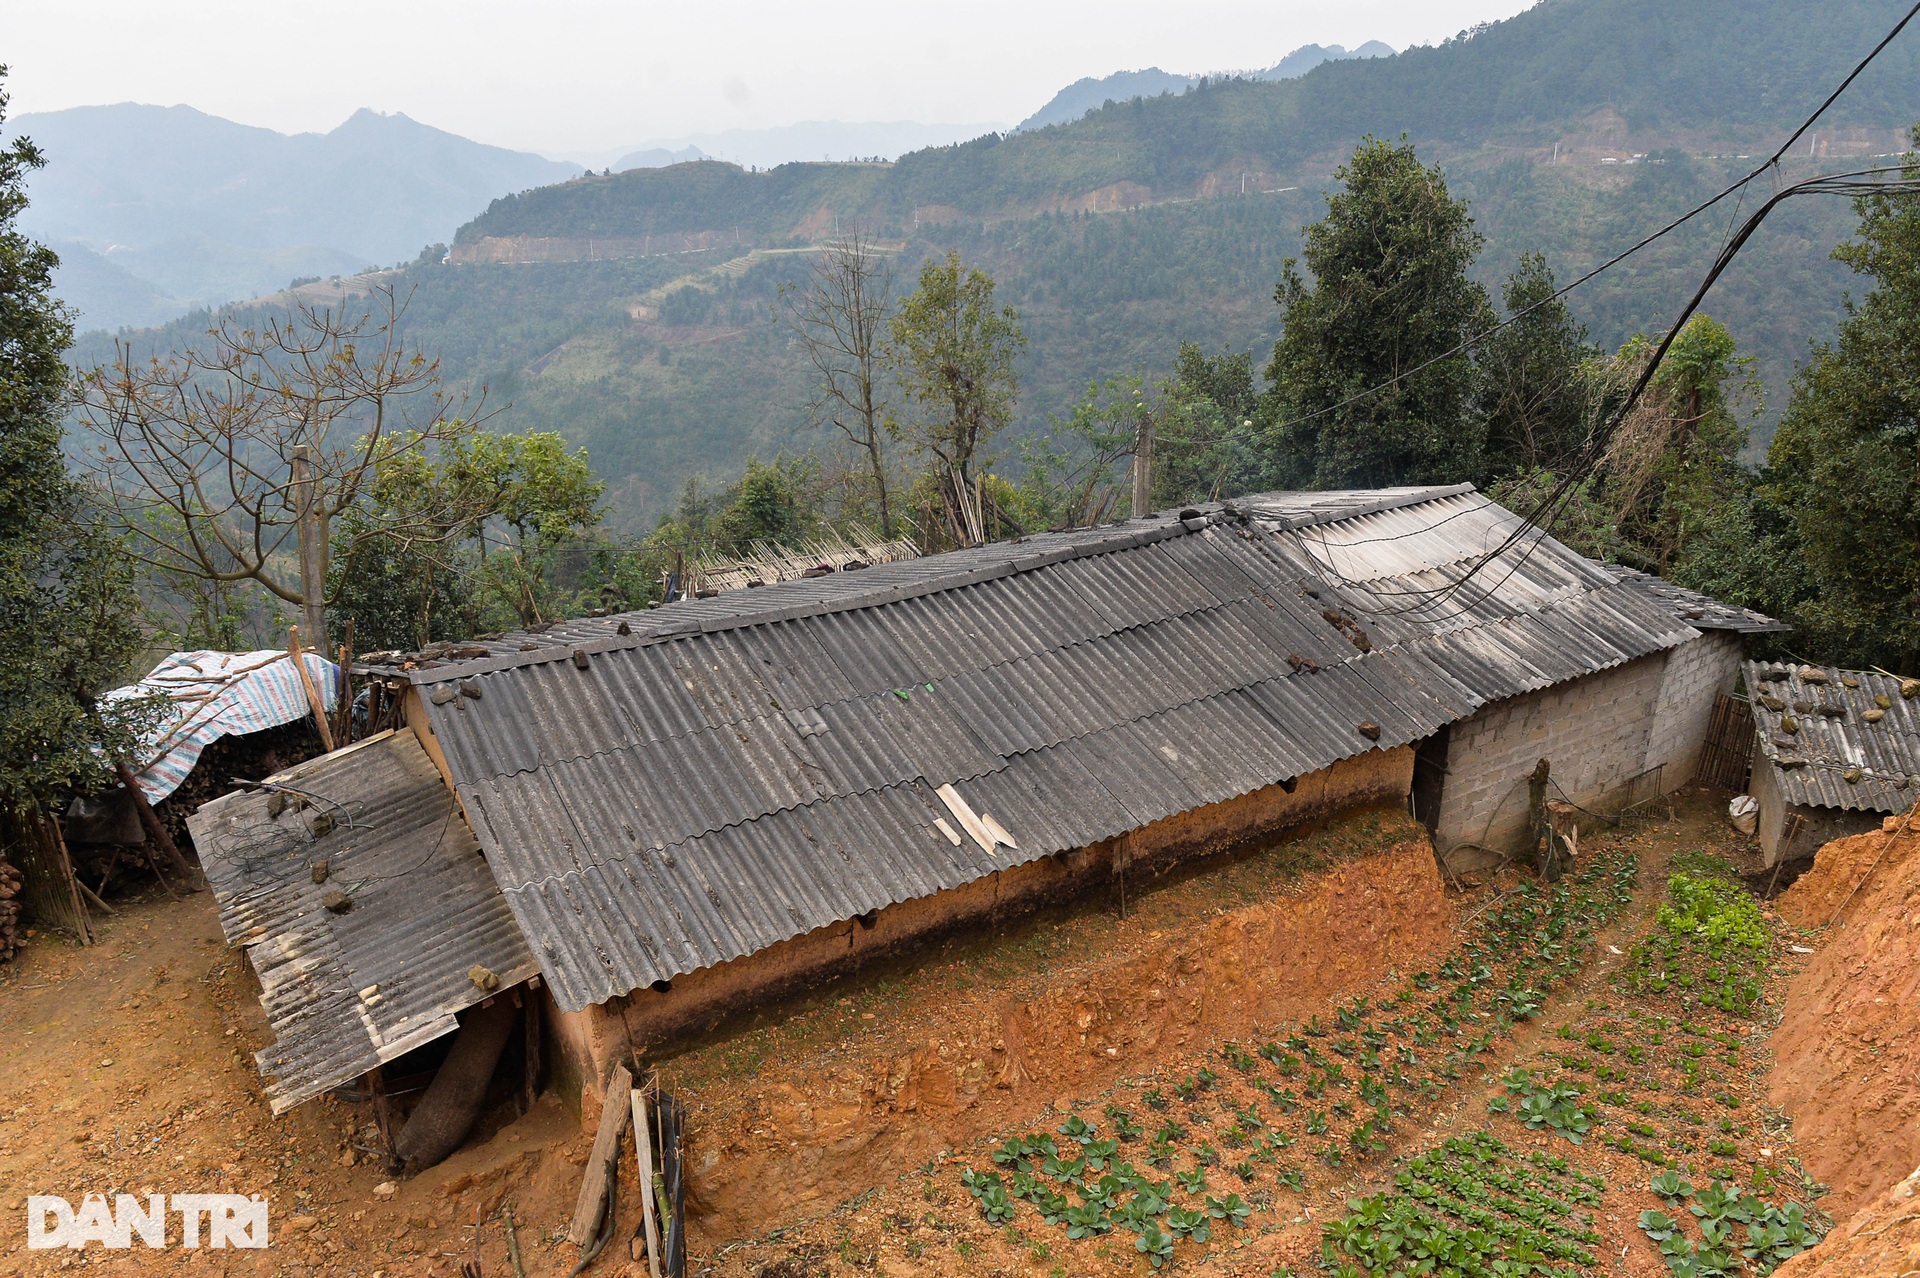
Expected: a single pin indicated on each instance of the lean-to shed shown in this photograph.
(1836, 751)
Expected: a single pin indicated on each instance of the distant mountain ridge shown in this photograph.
(182, 208)
(1593, 73)
(808, 140)
(1091, 93)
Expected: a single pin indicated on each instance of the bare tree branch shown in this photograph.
(194, 451)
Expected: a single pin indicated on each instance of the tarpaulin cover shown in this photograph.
(219, 694)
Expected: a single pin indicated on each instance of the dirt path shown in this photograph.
(129, 1069)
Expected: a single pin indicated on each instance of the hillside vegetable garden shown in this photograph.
(1628, 1102)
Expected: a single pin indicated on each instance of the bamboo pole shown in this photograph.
(314, 702)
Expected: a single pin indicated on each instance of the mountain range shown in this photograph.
(1091, 93)
(158, 209)
(833, 140)
(633, 311)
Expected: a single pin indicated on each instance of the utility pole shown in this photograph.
(312, 545)
(1143, 465)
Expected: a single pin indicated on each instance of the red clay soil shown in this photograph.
(1847, 1055)
(1882, 1240)
(128, 1068)
(964, 1047)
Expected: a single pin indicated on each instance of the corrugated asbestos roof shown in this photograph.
(1703, 611)
(346, 992)
(735, 771)
(1816, 736)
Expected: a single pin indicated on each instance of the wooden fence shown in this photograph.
(1726, 759)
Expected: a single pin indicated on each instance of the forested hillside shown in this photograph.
(1121, 235)
(1704, 73)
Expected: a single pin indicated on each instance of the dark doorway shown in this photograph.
(1429, 777)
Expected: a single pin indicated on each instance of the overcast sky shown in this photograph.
(561, 76)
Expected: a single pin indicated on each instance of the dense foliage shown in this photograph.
(1839, 510)
(67, 615)
(1372, 385)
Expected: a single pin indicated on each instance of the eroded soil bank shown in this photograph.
(1443, 1100)
(849, 1089)
(1848, 1050)
(1290, 1032)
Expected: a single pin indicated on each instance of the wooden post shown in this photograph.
(343, 713)
(314, 702)
(312, 547)
(604, 1162)
(1143, 466)
(643, 1157)
(382, 1114)
(157, 836)
(1539, 829)
(530, 1085)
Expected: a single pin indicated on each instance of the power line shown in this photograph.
(1739, 186)
(1843, 183)
(1854, 183)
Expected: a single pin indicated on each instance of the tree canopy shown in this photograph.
(1844, 466)
(1364, 390)
(68, 618)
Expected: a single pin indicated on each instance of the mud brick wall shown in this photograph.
(651, 1020)
(1598, 733)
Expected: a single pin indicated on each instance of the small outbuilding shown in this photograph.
(1836, 752)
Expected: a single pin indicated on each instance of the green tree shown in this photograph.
(68, 617)
(464, 538)
(1389, 293)
(1672, 465)
(1226, 379)
(1532, 386)
(770, 503)
(1845, 463)
(953, 351)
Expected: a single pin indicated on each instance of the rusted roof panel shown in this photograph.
(348, 991)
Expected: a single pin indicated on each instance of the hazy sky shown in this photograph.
(581, 75)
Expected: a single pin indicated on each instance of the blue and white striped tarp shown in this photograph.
(218, 694)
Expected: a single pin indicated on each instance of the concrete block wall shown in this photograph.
(1697, 672)
(1595, 732)
(1598, 733)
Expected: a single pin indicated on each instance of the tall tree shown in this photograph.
(213, 453)
(954, 351)
(840, 315)
(1845, 463)
(1672, 467)
(68, 618)
(1389, 293)
(463, 539)
(1532, 384)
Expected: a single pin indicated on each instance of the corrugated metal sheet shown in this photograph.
(1833, 757)
(424, 911)
(736, 771)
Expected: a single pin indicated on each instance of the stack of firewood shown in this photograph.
(12, 935)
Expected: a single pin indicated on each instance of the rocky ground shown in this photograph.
(1263, 1069)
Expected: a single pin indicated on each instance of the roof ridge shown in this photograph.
(1067, 545)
